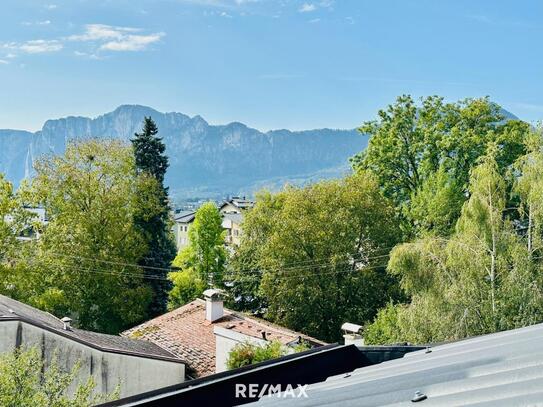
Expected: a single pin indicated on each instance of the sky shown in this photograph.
(270, 64)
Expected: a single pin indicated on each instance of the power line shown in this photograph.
(308, 263)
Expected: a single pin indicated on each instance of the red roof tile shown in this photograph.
(186, 333)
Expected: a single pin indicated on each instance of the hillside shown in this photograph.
(205, 160)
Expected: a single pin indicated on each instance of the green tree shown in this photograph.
(246, 353)
(480, 280)
(247, 260)
(26, 381)
(152, 162)
(203, 260)
(319, 260)
(409, 144)
(85, 262)
(436, 205)
(187, 284)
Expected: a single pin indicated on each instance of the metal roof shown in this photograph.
(184, 216)
(501, 369)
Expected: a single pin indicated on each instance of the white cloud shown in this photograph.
(315, 20)
(113, 38)
(226, 15)
(41, 46)
(3, 62)
(51, 6)
(34, 47)
(95, 32)
(307, 7)
(44, 22)
(132, 42)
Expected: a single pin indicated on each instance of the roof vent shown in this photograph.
(419, 396)
(67, 321)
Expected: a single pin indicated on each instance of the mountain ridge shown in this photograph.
(206, 160)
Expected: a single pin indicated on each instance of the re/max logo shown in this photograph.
(254, 390)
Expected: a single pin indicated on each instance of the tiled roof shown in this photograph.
(11, 309)
(186, 333)
(504, 369)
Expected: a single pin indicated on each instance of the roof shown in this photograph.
(184, 216)
(501, 369)
(240, 203)
(186, 333)
(302, 368)
(11, 310)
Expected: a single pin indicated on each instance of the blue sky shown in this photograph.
(267, 63)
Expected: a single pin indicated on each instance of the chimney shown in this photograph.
(214, 304)
(352, 334)
(67, 323)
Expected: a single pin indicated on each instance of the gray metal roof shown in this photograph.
(11, 309)
(185, 216)
(501, 369)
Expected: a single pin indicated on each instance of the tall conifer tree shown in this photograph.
(151, 161)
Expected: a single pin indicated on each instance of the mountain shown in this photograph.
(205, 160)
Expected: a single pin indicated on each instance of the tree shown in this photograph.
(319, 260)
(203, 260)
(480, 280)
(187, 284)
(14, 220)
(25, 380)
(150, 161)
(246, 353)
(248, 259)
(85, 262)
(409, 144)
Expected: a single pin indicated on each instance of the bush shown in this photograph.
(245, 353)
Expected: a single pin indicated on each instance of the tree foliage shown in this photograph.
(314, 255)
(484, 278)
(25, 380)
(246, 353)
(84, 263)
(151, 161)
(203, 261)
(414, 147)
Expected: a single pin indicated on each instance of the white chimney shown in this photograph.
(352, 334)
(67, 323)
(214, 304)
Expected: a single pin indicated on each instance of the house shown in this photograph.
(231, 222)
(139, 365)
(236, 205)
(182, 222)
(232, 215)
(203, 332)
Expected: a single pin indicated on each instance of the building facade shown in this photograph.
(135, 366)
(232, 217)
